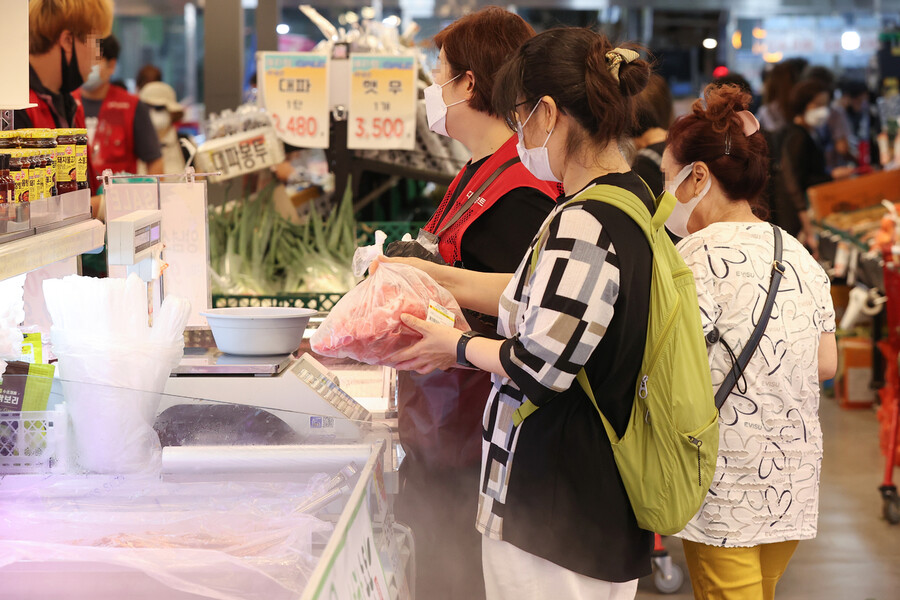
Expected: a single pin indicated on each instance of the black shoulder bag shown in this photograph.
(738, 366)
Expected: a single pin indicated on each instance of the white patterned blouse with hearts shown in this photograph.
(766, 486)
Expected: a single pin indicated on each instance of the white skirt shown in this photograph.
(513, 574)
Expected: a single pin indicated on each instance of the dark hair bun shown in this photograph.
(633, 77)
(569, 64)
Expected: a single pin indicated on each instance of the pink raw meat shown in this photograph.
(365, 324)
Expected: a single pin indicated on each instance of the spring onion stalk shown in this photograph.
(254, 250)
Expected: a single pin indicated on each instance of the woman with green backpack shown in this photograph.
(553, 510)
(769, 322)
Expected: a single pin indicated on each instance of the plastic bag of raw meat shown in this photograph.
(365, 324)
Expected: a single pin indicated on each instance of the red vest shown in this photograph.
(515, 176)
(44, 116)
(113, 143)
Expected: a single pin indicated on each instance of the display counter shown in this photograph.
(237, 502)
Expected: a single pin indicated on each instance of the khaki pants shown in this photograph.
(752, 573)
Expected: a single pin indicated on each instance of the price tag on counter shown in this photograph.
(295, 92)
(382, 103)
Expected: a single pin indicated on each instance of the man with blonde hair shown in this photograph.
(63, 49)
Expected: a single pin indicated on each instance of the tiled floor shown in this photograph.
(856, 555)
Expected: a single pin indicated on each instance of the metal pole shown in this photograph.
(268, 16)
(191, 89)
(223, 61)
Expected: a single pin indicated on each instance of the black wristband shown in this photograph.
(464, 340)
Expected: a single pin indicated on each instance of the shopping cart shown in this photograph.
(667, 575)
(889, 412)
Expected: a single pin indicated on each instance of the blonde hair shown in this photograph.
(47, 19)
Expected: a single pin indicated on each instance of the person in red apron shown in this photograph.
(118, 123)
(485, 222)
(63, 50)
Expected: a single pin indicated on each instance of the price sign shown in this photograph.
(356, 572)
(382, 102)
(241, 153)
(295, 92)
(184, 233)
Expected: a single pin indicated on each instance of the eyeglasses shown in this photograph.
(513, 118)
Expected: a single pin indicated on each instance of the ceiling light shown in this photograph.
(850, 40)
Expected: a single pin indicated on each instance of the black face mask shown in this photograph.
(71, 74)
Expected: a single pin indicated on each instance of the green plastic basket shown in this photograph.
(394, 230)
(322, 302)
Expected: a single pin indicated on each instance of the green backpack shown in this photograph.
(667, 456)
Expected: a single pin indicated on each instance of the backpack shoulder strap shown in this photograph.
(622, 199)
(632, 206)
(528, 407)
(737, 369)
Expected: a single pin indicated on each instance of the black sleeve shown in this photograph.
(498, 239)
(649, 172)
(795, 169)
(146, 141)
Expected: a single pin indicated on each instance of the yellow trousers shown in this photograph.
(719, 573)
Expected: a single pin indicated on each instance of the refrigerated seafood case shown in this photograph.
(243, 509)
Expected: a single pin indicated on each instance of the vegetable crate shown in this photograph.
(394, 230)
(32, 442)
(320, 302)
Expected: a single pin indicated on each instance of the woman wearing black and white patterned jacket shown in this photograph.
(555, 517)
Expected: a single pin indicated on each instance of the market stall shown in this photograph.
(284, 423)
(858, 244)
(279, 516)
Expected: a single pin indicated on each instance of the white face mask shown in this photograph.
(816, 117)
(436, 110)
(536, 160)
(681, 214)
(94, 80)
(161, 120)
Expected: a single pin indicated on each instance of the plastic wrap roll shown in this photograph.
(178, 460)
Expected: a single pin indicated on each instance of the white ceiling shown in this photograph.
(744, 7)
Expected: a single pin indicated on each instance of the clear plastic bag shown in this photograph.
(225, 540)
(365, 324)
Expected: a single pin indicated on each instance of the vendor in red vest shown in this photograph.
(118, 123)
(486, 222)
(63, 49)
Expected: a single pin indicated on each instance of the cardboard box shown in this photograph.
(853, 385)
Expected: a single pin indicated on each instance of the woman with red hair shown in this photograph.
(764, 497)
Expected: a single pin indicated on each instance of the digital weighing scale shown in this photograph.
(304, 393)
